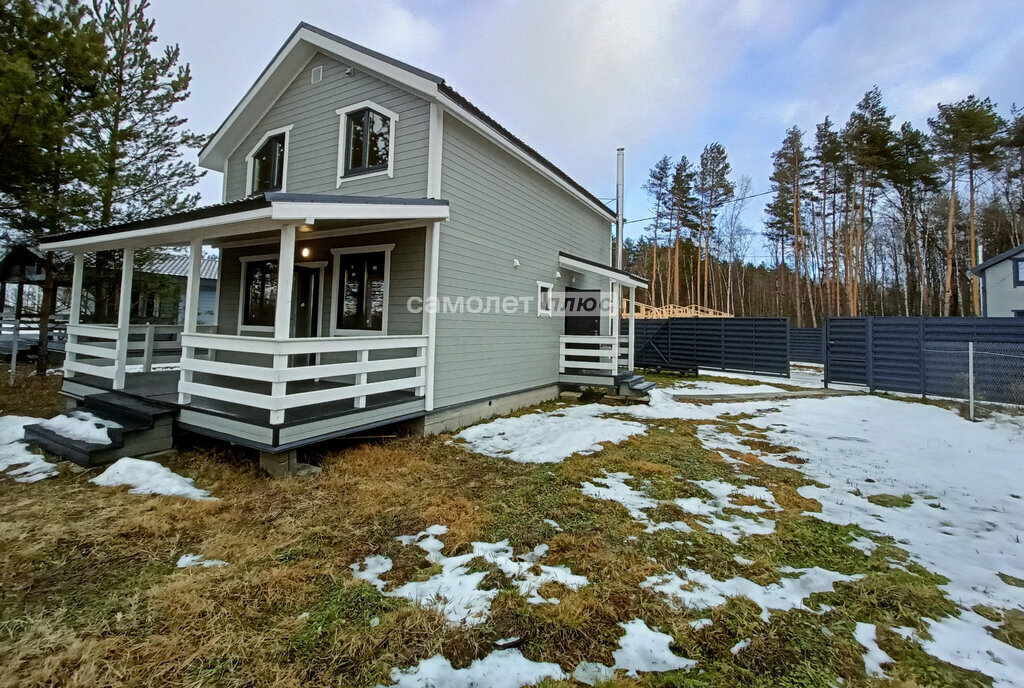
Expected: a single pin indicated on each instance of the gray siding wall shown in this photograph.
(406, 277)
(502, 210)
(313, 140)
(1001, 297)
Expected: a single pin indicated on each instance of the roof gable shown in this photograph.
(1015, 251)
(305, 41)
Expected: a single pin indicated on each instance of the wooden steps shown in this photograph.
(144, 427)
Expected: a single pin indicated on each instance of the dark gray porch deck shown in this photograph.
(250, 426)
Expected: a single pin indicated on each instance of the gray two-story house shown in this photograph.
(388, 253)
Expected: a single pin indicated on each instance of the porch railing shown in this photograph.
(100, 350)
(290, 364)
(591, 353)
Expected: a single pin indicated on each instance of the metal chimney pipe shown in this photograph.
(620, 174)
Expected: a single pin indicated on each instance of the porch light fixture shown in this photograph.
(305, 252)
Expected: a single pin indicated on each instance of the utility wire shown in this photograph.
(734, 200)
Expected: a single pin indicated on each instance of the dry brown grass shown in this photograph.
(90, 595)
(31, 395)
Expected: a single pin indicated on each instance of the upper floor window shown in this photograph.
(1018, 272)
(268, 162)
(367, 141)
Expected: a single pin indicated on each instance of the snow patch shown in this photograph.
(149, 477)
(874, 657)
(499, 669)
(700, 590)
(189, 560)
(455, 591)
(81, 426)
(549, 437)
(15, 458)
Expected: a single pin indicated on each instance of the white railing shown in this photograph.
(591, 353)
(347, 379)
(97, 349)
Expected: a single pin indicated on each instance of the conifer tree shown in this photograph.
(713, 189)
(658, 186)
(685, 213)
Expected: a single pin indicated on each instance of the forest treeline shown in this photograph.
(865, 218)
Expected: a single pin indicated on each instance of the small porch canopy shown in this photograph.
(278, 218)
(618, 279)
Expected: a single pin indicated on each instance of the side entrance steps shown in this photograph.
(631, 385)
(625, 384)
(145, 428)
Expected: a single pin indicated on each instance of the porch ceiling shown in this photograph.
(253, 217)
(577, 264)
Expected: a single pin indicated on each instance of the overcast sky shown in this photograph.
(576, 80)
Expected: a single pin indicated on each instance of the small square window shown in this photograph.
(544, 297)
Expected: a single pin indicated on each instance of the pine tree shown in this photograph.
(49, 86)
(685, 213)
(138, 139)
(867, 136)
(790, 178)
(713, 190)
(657, 187)
(969, 135)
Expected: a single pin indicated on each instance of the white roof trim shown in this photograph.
(580, 266)
(264, 219)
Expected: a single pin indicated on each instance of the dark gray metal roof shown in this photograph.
(981, 267)
(624, 273)
(254, 202)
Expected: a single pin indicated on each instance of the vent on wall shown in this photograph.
(317, 75)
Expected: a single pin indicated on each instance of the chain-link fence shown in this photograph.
(975, 371)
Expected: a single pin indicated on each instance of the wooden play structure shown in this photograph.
(672, 310)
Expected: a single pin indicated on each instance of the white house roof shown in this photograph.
(306, 40)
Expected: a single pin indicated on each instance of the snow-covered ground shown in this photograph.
(965, 481)
(17, 461)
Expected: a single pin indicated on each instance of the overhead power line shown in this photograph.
(734, 200)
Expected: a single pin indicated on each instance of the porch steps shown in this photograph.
(625, 384)
(631, 385)
(145, 428)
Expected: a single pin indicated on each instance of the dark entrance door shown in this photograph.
(582, 312)
(307, 308)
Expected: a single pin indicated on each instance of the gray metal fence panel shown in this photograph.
(757, 345)
(928, 356)
(806, 344)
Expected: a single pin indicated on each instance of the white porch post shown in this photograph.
(632, 325)
(76, 313)
(124, 311)
(283, 312)
(192, 285)
(432, 249)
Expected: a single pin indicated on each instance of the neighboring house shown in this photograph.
(166, 303)
(1002, 284)
(159, 293)
(357, 189)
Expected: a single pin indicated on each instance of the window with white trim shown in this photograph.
(259, 293)
(361, 289)
(1018, 272)
(544, 296)
(366, 144)
(267, 162)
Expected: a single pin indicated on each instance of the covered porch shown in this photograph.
(602, 356)
(309, 339)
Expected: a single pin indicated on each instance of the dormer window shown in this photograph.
(268, 162)
(366, 145)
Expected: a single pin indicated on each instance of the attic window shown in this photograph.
(317, 74)
(268, 162)
(366, 143)
(1018, 272)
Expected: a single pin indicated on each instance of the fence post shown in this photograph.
(970, 375)
(147, 350)
(824, 351)
(14, 350)
(869, 358)
(921, 358)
